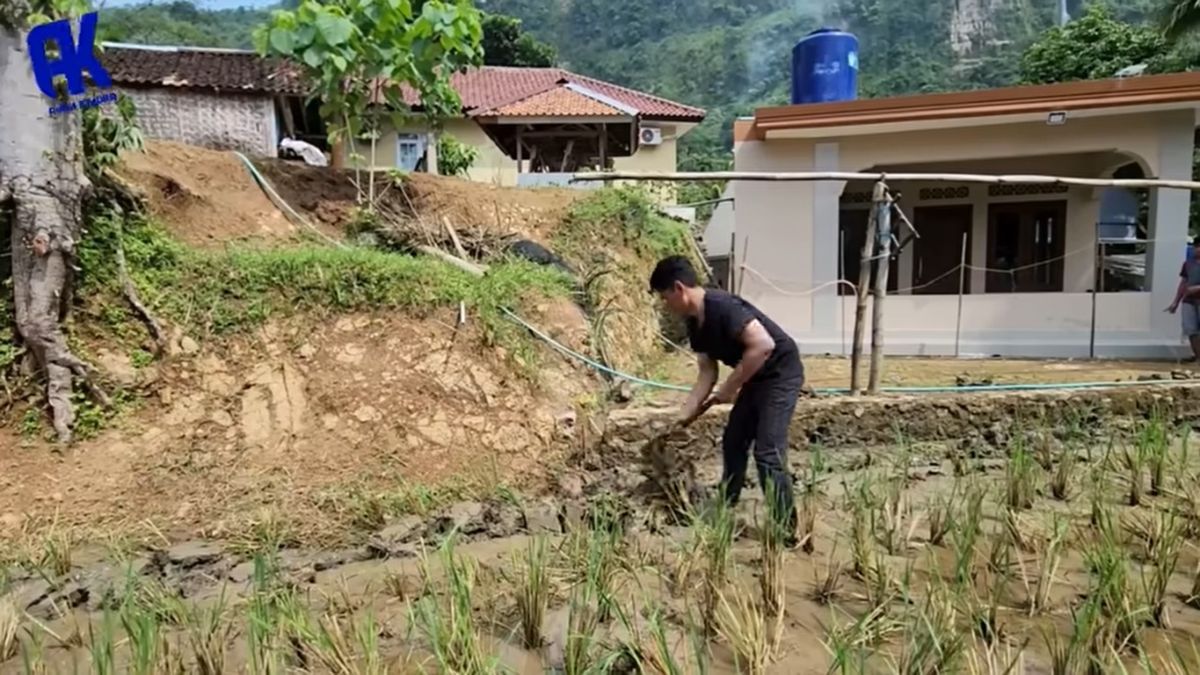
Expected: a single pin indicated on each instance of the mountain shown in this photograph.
(728, 56)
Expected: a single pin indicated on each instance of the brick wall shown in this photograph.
(244, 122)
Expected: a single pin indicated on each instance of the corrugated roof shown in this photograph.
(486, 91)
(556, 102)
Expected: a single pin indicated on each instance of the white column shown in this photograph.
(825, 217)
(1169, 212)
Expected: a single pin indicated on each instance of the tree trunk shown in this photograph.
(41, 172)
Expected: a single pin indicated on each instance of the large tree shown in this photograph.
(42, 187)
(1093, 46)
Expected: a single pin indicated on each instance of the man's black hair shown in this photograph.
(672, 269)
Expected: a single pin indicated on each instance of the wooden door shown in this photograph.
(938, 253)
(1028, 240)
(852, 231)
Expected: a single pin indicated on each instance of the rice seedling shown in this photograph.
(1134, 463)
(1039, 594)
(940, 515)
(333, 647)
(983, 613)
(449, 627)
(1019, 477)
(862, 541)
(33, 655)
(743, 625)
(964, 537)
(208, 635)
(827, 585)
(896, 519)
(1163, 557)
(1060, 481)
(144, 633)
(1154, 445)
(264, 617)
(848, 644)
(533, 592)
(809, 506)
(1068, 655)
(101, 645)
(717, 527)
(773, 544)
(1016, 531)
(579, 649)
(934, 644)
(10, 625)
(1193, 598)
(650, 652)
(992, 662)
(1109, 565)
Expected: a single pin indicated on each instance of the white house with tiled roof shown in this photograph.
(529, 125)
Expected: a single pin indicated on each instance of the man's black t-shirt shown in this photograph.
(725, 316)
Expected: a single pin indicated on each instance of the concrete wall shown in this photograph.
(793, 238)
(225, 121)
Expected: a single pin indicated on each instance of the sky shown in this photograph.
(203, 4)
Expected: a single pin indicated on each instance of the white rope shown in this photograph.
(682, 176)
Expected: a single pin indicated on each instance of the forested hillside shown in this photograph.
(727, 56)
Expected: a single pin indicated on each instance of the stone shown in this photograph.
(391, 538)
(117, 366)
(241, 573)
(188, 346)
(222, 418)
(307, 351)
(504, 519)
(193, 554)
(465, 517)
(542, 517)
(571, 485)
(367, 413)
(331, 559)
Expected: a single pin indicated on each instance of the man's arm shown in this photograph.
(758, 345)
(1180, 293)
(706, 379)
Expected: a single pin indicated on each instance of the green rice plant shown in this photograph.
(849, 645)
(449, 627)
(533, 591)
(583, 622)
(807, 535)
(934, 644)
(992, 662)
(1163, 558)
(10, 625)
(1060, 481)
(1154, 445)
(1108, 562)
(650, 652)
(1038, 597)
(940, 512)
(265, 616)
(716, 543)
(1069, 655)
(745, 627)
(1134, 460)
(964, 537)
(896, 519)
(982, 613)
(33, 655)
(208, 634)
(773, 544)
(1193, 598)
(862, 541)
(1019, 475)
(144, 633)
(101, 645)
(827, 585)
(336, 649)
(1016, 531)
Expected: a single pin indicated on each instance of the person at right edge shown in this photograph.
(1188, 294)
(765, 383)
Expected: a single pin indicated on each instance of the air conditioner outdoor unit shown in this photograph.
(651, 136)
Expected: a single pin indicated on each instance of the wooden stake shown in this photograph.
(883, 204)
(742, 268)
(860, 311)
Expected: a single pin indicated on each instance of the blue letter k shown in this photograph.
(72, 59)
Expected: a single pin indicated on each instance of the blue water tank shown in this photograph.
(825, 67)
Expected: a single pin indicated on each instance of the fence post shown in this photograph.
(860, 311)
(882, 201)
(962, 276)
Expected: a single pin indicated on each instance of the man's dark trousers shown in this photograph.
(761, 416)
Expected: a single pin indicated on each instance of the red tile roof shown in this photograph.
(556, 102)
(487, 91)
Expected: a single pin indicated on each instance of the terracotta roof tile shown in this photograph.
(486, 91)
(556, 102)
(224, 70)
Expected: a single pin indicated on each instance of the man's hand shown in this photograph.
(1173, 308)
(723, 395)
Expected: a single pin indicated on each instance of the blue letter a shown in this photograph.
(72, 59)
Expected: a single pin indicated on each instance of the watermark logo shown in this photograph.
(73, 58)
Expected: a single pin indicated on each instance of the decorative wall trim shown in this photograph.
(856, 198)
(952, 192)
(1017, 189)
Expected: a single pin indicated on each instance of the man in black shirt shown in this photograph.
(764, 385)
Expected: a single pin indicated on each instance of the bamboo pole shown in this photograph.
(742, 269)
(883, 222)
(860, 309)
(1015, 179)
